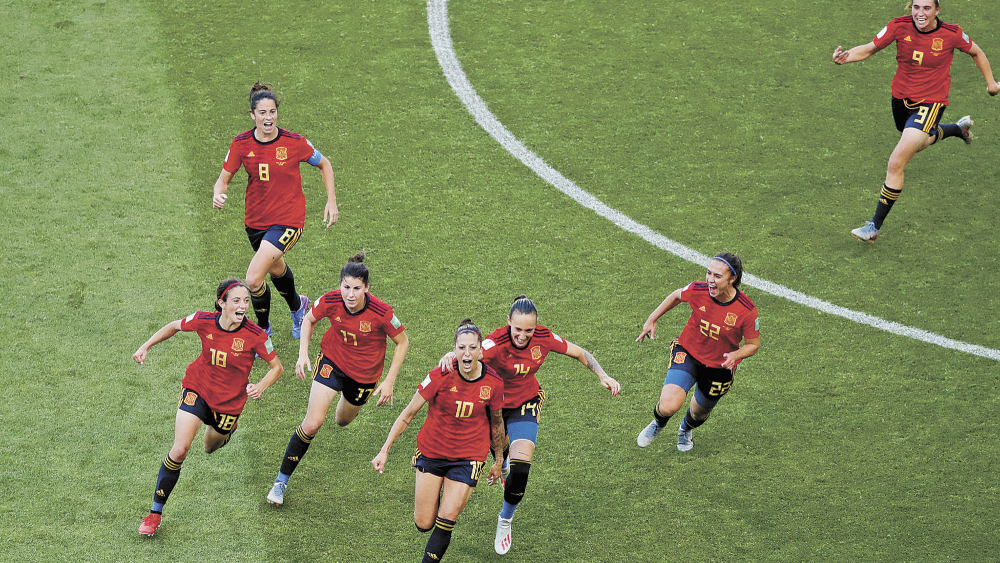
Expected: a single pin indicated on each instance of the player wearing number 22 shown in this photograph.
(352, 355)
(215, 386)
(708, 350)
(464, 421)
(275, 204)
(925, 47)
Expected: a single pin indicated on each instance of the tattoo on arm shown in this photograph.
(498, 436)
(593, 365)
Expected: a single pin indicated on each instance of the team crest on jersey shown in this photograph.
(679, 357)
(485, 392)
(731, 319)
(536, 353)
(937, 44)
(366, 326)
(190, 398)
(281, 153)
(326, 371)
(237, 345)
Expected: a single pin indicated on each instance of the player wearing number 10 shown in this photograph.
(464, 421)
(275, 204)
(352, 355)
(924, 50)
(215, 386)
(708, 350)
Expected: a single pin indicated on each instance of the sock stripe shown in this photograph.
(302, 435)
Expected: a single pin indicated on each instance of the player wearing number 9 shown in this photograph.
(352, 355)
(924, 50)
(708, 350)
(464, 421)
(215, 386)
(275, 208)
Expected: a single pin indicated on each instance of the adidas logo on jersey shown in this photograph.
(454, 389)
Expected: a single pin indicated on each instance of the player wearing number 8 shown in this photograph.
(275, 203)
(464, 421)
(216, 385)
(924, 50)
(352, 355)
(708, 350)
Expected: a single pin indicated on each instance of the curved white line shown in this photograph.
(437, 19)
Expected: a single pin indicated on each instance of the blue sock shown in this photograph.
(950, 130)
(507, 512)
(282, 478)
(157, 508)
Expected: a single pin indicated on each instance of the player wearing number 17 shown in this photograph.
(925, 47)
(708, 350)
(464, 421)
(215, 386)
(352, 355)
(275, 204)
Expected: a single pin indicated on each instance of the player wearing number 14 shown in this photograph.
(708, 350)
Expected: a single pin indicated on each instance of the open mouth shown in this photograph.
(466, 364)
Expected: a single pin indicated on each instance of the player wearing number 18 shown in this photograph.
(275, 204)
(925, 47)
(352, 355)
(708, 350)
(215, 386)
(464, 421)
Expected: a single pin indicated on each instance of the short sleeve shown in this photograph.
(233, 159)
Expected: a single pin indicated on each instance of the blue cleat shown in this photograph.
(866, 232)
(297, 316)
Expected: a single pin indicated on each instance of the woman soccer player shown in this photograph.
(925, 47)
(463, 422)
(215, 386)
(516, 352)
(352, 355)
(708, 349)
(275, 204)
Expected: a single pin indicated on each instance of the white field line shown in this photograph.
(437, 19)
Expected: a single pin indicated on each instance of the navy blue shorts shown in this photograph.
(327, 373)
(685, 372)
(284, 238)
(522, 422)
(463, 471)
(192, 402)
(915, 115)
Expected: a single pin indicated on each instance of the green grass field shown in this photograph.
(722, 126)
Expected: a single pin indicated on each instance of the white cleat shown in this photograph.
(648, 433)
(503, 540)
(277, 494)
(965, 123)
(684, 440)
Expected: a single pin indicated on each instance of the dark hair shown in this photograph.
(523, 305)
(260, 91)
(224, 288)
(734, 263)
(468, 326)
(355, 268)
(909, 5)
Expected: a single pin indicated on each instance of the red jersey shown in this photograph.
(356, 341)
(274, 186)
(518, 366)
(923, 60)
(458, 424)
(716, 328)
(221, 373)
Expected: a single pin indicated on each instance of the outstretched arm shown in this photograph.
(649, 327)
(854, 54)
(401, 424)
(330, 212)
(588, 359)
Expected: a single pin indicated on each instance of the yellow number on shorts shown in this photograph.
(719, 388)
(919, 57)
(218, 358)
(477, 469)
(923, 111)
(225, 421)
(710, 330)
(263, 172)
(287, 236)
(533, 407)
(464, 409)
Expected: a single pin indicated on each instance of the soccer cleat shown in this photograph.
(648, 433)
(866, 232)
(277, 494)
(965, 123)
(297, 316)
(684, 440)
(503, 540)
(150, 524)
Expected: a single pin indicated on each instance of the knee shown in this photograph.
(310, 428)
(343, 422)
(179, 454)
(668, 406)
